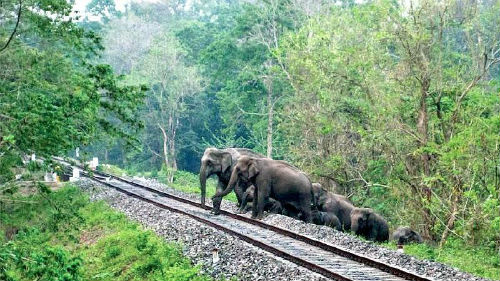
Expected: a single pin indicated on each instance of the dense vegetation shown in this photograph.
(62, 236)
(393, 103)
(403, 119)
(54, 95)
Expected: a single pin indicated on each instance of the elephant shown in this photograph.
(404, 235)
(272, 206)
(336, 204)
(325, 218)
(272, 179)
(221, 162)
(365, 222)
(247, 197)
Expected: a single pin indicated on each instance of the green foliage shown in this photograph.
(355, 118)
(112, 169)
(24, 261)
(54, 98)
(395, 105)
(61, 236)
(480, 260)
(135, 255)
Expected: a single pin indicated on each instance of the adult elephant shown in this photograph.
(336, 204)
(220, 162)
(272, 179)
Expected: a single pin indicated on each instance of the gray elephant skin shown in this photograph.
(272, 206)
(336, 204)
(404, 235)
(221, 162)
(325, 218)
(272, 179)
(365, 222)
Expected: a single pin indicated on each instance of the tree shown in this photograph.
(431, 36)
(172, 83)
(52, 98)
(389, 116)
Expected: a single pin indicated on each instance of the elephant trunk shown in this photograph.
(203, 182)
(230, 185)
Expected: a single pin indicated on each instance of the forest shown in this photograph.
(395, 104)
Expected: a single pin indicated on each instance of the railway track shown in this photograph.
(328, 260)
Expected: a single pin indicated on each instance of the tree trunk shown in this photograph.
(270, 114)
(422, 129)
(423, 125)
(439, 114)
(173, 158)
(165, 149)
(451, 220)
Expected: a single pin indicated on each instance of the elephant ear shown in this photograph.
(226, 161)
(252, 170)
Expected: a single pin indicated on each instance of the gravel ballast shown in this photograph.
(237, 258)
(240, 259)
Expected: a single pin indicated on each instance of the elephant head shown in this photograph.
(406, 235)
(245, 170)
(359, 219)
(318, 192)
(214, 161)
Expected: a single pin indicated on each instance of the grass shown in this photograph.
(478, 260)
(62, 236)
(112, 169)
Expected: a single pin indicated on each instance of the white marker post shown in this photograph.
(33, 157)
(215, 256)
(77, 152)
(47, 177)
(76, 174)
(94, 163)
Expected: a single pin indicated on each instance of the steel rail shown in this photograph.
(313, 242)
(299, 261)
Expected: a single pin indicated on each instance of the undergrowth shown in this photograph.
(62, 236)
(480, 261)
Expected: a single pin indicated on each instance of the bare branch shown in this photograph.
(15, 28)
(251, 113)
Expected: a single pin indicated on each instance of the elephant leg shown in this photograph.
(244, 202)
(220, 187)
(216, 202)
(261, 198)
(239, 189)
(306, 212)
(255, 203)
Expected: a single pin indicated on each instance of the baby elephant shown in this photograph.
(405, 235)
(325, 218)
(365, 222)
(272, 206)
(334, 204)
